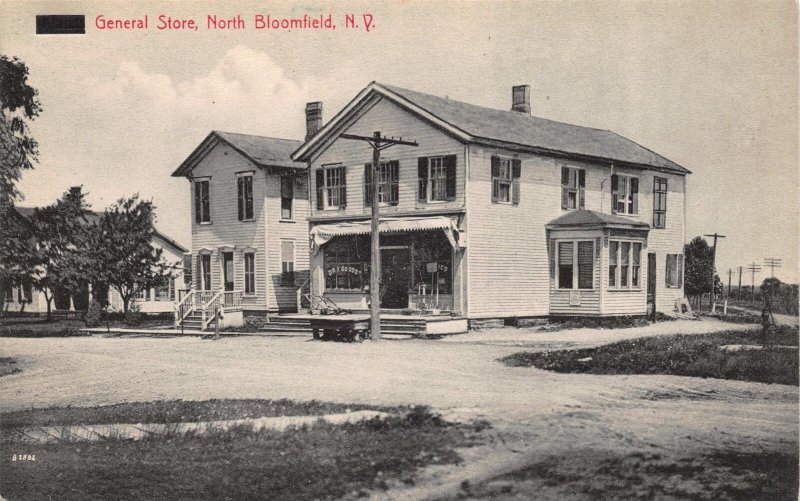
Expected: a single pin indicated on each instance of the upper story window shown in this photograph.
(659, 202)
(287, 196)
(244, 183)
(331, 187)
(624, 194)
(437, 179)
(388, 187)
(202, 201)
(674, 275)
(505, 180)
(573, 188)
(575, 264)
(624, 264)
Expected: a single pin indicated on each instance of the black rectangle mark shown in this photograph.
(60, 25)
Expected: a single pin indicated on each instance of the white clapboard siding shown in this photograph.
(222, 164)
(390, 120)
(284, 297)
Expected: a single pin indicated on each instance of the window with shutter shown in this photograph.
(388, 187)
(502, 180)
(573, 188)
(659, 203)
(202, 201)
(624, 194)
(244, 184)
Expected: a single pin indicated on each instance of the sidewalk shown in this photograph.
(585, 338)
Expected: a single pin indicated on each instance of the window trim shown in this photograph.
(242, 210)
(392, 186)
(680, 270)
(198, 218)
(291, 177)
(343, 187)
(252, 273)
(575, 266)
(630, 201)
(629, 287)
(580, 191)
(662, 211)
(289, 278)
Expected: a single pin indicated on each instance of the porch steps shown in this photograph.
(402, 328)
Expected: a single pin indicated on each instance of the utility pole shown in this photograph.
(713, 266)
(377, 143)
(773, 263)
(753, 268)
(730, 274)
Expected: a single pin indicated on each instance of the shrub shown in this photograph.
(134, 315)
(94, 315)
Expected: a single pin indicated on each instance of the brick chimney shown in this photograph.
(313, 118)
(521, 98)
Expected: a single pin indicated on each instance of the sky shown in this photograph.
(712, 86)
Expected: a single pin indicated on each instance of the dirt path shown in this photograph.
(532, 412)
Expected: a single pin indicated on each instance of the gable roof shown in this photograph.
(505, 129)
(592, 219)
(262, 151)
(94, 216)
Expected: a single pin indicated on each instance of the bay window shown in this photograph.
(624, 265)
(575, 264)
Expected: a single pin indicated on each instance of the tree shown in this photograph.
(698, 267)
(19, 105)
(61, 246)
(120, 249)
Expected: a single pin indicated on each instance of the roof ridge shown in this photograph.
(217, 131)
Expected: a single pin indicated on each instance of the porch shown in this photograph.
(420, 268)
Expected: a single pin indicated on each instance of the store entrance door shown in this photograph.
(396, 275)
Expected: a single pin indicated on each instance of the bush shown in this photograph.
(134, 315)
(94, 315)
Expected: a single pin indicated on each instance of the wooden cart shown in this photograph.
(350, 327)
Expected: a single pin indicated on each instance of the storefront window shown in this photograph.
(346, 264)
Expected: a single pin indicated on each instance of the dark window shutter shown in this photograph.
(422, 174)
(394, 185)
(240, 196)
(614, 190)
(635, 195)
(495, 179)
(582, 189)
(343, 188)
(516, 170)
(367, 185)
(198, 202)
(450, 169)
(320, 188)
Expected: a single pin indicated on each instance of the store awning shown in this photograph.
(323, 233)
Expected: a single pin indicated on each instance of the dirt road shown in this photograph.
(537, 412)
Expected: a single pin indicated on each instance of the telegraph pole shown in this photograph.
(753, 268)
(740, 282)
(377, 143)
(713, 266)
(773, 263)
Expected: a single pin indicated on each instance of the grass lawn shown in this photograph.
(41, 327)
(320, 462)
(680, 355)
(722, 475)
